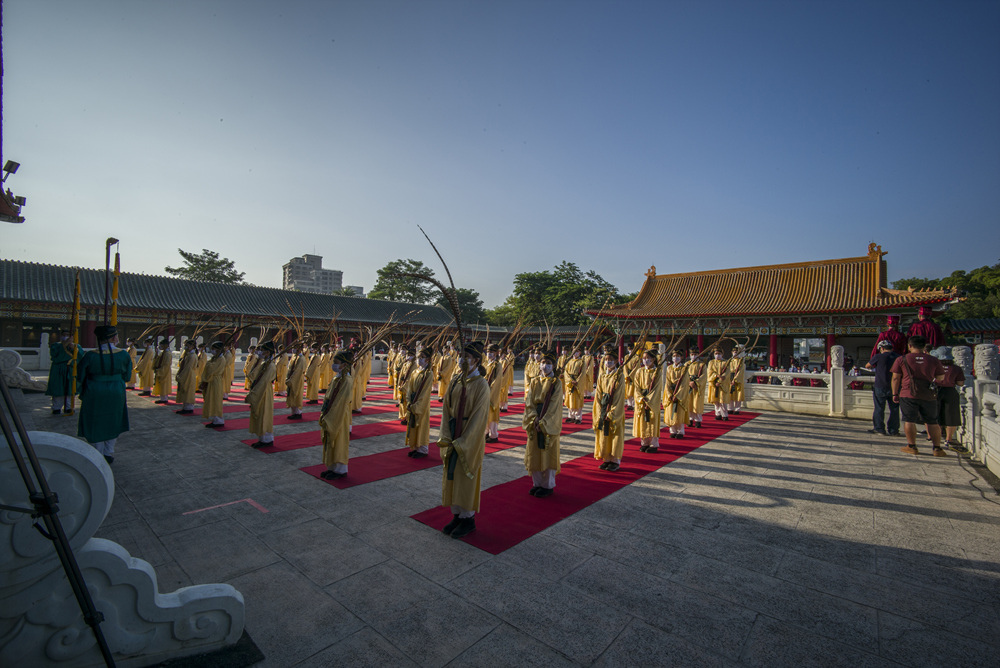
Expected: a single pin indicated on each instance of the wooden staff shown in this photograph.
(114, 290)
(107, 275)
(76, 343)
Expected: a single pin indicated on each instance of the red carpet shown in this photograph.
(363, 470)
(310, 416)
(510, 515)
(309, 439)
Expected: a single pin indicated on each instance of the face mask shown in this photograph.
(335, 367)
(422, 362)
(648, 362)
(718, 357)
(678, 360)
(547, 368)
(610, 366)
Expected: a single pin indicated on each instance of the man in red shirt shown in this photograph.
(892, 335)
(913, 378)
(927, 328)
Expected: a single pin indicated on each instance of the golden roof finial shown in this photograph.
(652, 272)
(874, 251)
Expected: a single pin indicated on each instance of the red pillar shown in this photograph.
(87, 337)
(701, 342)
(772, 350)
(621, 350)
(170, 332)
(830, 343)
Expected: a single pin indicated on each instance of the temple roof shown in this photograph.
(975, 326)
(52, 284)
(850, 285)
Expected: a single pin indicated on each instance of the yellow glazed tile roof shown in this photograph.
(831, 286)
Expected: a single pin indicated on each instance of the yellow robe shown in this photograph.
(631, 364)
(611, 445)
(675, 395)
(248, 364)
(719, 379)
(187, 378)
(325, 370)
(418, 404)
(144, 367)
(530, 373)
(280, 373)
(362, 372)
(573, 378)
(696, 395)
(587, 381)
(214, 378)
(313, 375)
(494, 376)
(162, 380)
(390, 367)
(508, 375)
(227, 383)
(469, 448)
(132, 355)
(405, 370)
(737, 369)
(336, 420)
(446, 369)
(261, 399)
(200, 368)
(648, 390)
(538, 459)
(295, 382)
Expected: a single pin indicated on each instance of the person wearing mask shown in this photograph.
(295, 382)
(573, 375)
(335, 417)
(647, 381)
(261, 396)
(719, 383)
(494, 376)
(462, 441)
(418, 405)
(405, 367)
(881, 363)
(676, 388)
(162, 369)
(213, 380)
(949, 399)
(61, 372)
(543, 426)
(609, 415)
(103, 413)
(696, 385)
(144, 368)
(132, 355)
(187, 384)
(737, 383)
(313, 375)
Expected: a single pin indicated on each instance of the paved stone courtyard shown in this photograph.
(791, 541)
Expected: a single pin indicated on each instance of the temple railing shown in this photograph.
(980, 431)
(832, 394)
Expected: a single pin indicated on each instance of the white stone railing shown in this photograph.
(810, 393)
(980, 431)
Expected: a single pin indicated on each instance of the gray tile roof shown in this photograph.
(46, 283)
(975, 325)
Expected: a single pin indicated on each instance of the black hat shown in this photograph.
(218, 345)
(344, 357)
(493, 348)
(105, 332)
(426, 352)
(549, 356)
(165, 341)
(652, 352)
(475, 349)
(269, 346)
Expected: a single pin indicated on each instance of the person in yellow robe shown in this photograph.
(213, 380)
(543, 424)
(132, 355)
(162, 367)
(418, 405)
(737, 384)
(261, 396)
(363, 369)
(573, 376)
(609, 415)
(335, 417)
(718, 385)
(248, 364)
(531, 366)
(675, 395)
(390, 366)
(313, 375)
(507, 361)
(295, 382)
(446, 369)
(494, 376)
(696, 383)
(187, 378)
(281, 374)
(462, 441)
(202, 361)
(630, 365)
(647, 381)
(587, 381)
(144, 368)
(227, 383)
(404, 367)
(325, 364)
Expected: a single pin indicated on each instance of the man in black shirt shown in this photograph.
(882, 390)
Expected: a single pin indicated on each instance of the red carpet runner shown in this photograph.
(509, 515)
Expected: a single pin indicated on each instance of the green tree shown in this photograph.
(395, 287)
(207, 266)
(469, 304)
(980, 289)
(557, 297)
(344, 292)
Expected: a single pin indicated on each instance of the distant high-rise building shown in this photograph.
(307, 274)
(358, 290)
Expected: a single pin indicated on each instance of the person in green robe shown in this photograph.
(61, 372)
(104, 372)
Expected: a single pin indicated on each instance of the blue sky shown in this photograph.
(617, 135)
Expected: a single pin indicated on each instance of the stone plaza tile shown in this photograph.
(916, 644)
(289, 617)
(559, 557)
(735, 550)
(322, 552)
(643, 645)
(139, 540)
(506, 646)
(773, 642)
(167, 514)
(363, 648)
(579, 626)
(376, 592)
(218, 552)
(700, 619)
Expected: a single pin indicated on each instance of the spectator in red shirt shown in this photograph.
(927, 328)
(913, 379)
(949, 400)
(892, 335)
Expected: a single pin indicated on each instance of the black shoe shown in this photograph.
(184, 412)
(356, 412)
(643, 448)
(876, 431)
(313, 401)
(490, 439)
(403, 421)
(604, 466)
(725, 419)
(464, 528)
(503, 410)
(212, 425)
(450, 526)
(718, 417)
(322, 391)
(419, 455)
(295, 416)
(613, 466)
(680, 435)
(109, 459)
(67, 411)
(543, 492)
(533, 490)
(410, 453)
(568, 420)
(161, 401)
(259, 444)
(579, 420)
(330, 475)
(145, 394)
(58, 411)
(893, 433)
(651, 451)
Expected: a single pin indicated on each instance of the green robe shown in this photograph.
(61, 370)
(103, 414)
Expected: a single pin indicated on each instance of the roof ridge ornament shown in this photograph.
(875, 251)
(652, 271)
